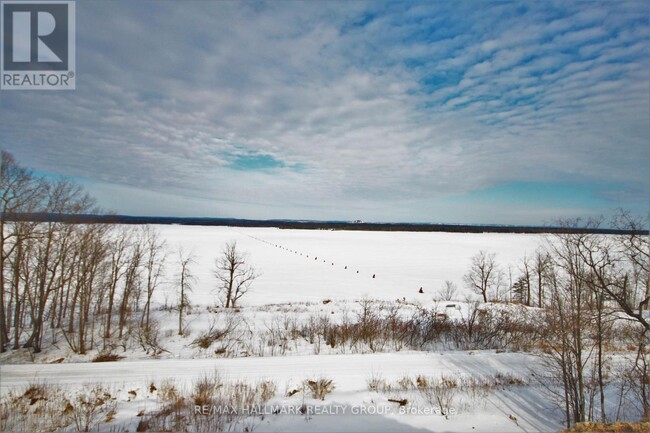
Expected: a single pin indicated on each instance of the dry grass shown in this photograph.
(445, 392)
(376, 382)
(618, 427)
(320, 387)
(178, 412)
(44, 407)
(167, 392)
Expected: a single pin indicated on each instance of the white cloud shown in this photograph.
(166, 92)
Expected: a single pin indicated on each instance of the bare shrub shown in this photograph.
(422, 382)
(209, 392)
(369, 325)
(405, 383)
(205, 388)
(40, 407)
(277, 337)
(107, 356)
(320, 387)
(266, 390)
(218, 330)
(449, 291)
(88, 406)
(509, 379)
(168, 391)
(148, 338)
(383, 326)
(445, 392)
(376, 382)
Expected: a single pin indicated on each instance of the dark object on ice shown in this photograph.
(346, 267)
(421, 290)
(403, 402)
(373, 275)
(326, 301)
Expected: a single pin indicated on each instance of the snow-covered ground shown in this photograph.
(350, 374)
(309, 265)
(299, 269)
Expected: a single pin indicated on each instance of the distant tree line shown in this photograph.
(316, 225)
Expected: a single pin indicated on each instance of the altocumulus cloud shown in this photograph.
(336, 110)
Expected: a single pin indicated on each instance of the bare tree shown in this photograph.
(234, 275)
(132, 282)
(636, 249)
(154, 267)
(186, 279)
(91, 275)
(449, 291)
(618, 270)
(65, 274)
(20, 192)
(524, 281)
(118, 251)
(568, 322)
(592, 280)
(540, 265)
(484, 274)
(55, 243)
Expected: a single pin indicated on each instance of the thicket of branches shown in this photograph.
(595, 284)
(594, 290)
(90, 284)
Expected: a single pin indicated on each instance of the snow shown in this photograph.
(351, 371)
(298, 270)
(350, 374)
(300, 267)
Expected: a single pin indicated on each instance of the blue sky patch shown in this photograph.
(253, 162)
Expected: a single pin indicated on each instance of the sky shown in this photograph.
(455, 112)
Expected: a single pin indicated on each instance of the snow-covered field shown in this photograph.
(350, 374)
(309, 265)
(299, 269)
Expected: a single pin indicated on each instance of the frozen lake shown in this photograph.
(309, 265)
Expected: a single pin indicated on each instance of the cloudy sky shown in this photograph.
(468, 112)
